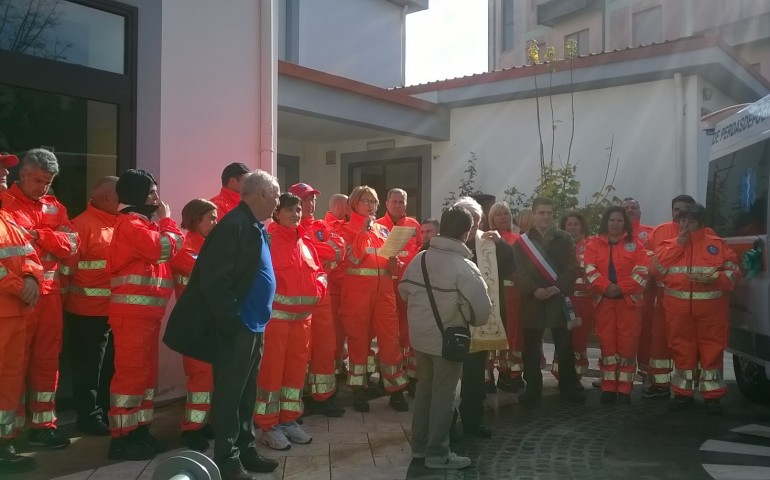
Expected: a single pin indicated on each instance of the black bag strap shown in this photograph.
(430, 293)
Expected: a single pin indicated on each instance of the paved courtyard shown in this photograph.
(556, 441)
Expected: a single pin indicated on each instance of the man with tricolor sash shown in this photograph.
(546, 272)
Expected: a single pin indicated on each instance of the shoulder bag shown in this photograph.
(456, 341)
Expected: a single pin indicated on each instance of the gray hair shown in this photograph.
(393, 191)
(471, 205)
(258, 181)
(42, 159)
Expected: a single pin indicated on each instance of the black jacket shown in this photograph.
(221, 279)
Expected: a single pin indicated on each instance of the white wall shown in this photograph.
(358, 39)
(198, 107)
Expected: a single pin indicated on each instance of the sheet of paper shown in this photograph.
(397, 238)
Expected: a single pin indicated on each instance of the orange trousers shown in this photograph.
(323, 345)
(584, 308)
(281, 377)
(648, 311)
(136, 373)
(410, 363)
(366, 313)
(339, 350)
(41, 360)
(200, 384)
(618, 326)
(659, 368)
(12, 345)
(697, 345)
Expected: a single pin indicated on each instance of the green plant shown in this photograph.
(467, 183)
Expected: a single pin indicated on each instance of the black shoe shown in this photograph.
(411, 389)
(328, 407)
(195, 440)
(489, 387)
(608, 398)
(143, 433)
(254, 462)
(624, 399)
(681, 402)
(238, 473)
(573, 396)
(11, 462)
(47, 437)
(713, 406)
(360, 403)
(480, 430)
(208, 431)
(398, 402)
(130, 447)
(93, 426)
(596, 384)
(654, 391)
(505, 383)
(519, 385)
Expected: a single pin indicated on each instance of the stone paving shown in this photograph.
(554, 441)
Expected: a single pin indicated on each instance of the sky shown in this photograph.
(447, 40)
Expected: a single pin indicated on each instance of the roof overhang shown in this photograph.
(345, 109)
(707, 57)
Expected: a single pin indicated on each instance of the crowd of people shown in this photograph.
(269, 315)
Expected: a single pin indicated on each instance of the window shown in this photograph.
(648, 26)
(581, 40)
(508, 29)
(382, 175)
(738, 191)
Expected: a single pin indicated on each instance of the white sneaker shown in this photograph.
(452, 461)
(275, 439)
(295, 433)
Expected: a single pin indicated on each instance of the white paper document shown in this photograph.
(397, 238)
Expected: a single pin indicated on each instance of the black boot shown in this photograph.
(398, 402)
(360, 403)
(130, 447)
(11, 462)
(195, 440)
(143, 433)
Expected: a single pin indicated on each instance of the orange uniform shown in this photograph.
(618, 320)
(17, 260)
(300, 285)
(335, 288)
(696, 312)
(56, 241)
(200, 379)
(405, 256)
(141, 285)
(225, 201)
(85, 273)
(330, 248)
(643, 233)
(368, 305)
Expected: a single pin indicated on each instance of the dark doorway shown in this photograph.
(382, 175)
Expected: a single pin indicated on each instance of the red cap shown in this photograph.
(302, 190)
(8, 160)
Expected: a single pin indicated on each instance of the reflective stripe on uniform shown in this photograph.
(321, 383)
(145, 415)
(661, 363)
(43, 417)
(684, 295)
(16, 251)
(65, 270)
(367, 272)
(183, 280)
(141, 280)
(52, 275)
(89, 292)
(337, 251)
(92, 264)
(125, 401)
(508, 283)
(267, 402)
(139, 300)
(42, 397)
(125, 421)
(683, 379)
(282, 315)
(294, 300)
(7, 422)
(199, 397)
(196, 416)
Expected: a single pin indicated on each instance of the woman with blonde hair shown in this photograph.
(526, 220)
(368, 301)
(509, 362)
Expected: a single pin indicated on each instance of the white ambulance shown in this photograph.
(737, 207)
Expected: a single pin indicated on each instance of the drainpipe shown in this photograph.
(268, 93)
(679, 133)
(404, 10)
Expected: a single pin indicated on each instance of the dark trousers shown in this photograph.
(533, 342)
(235, 391)
(92, 362)
(472, 389)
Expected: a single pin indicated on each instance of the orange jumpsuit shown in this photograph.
(57, 240)
(405, 256)
(368, 305)
(200, 379)
(643, 233)
(330, 249)
(659, 368)
(583, 303)
(335, 276)
(225, 201)
(17, 259)
(299, 285)
(141, 286)
(697, 313)
(618, 320)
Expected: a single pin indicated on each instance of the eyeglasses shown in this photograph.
(367, 201)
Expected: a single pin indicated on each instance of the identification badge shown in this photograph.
(712, 249)
(631, 247)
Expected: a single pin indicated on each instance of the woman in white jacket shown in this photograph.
(461, 299)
